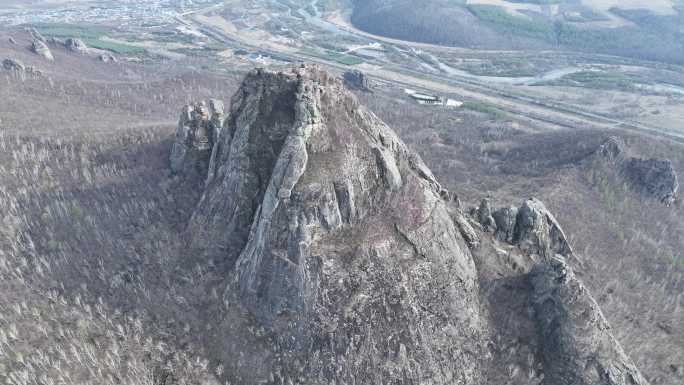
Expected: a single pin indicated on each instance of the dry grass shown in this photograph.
(630, 246)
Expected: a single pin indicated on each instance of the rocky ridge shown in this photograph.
(347, 262)
(41, 49)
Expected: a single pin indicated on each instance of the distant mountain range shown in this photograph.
(608, 27)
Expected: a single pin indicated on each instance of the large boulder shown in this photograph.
(357, 80)
(505, 219)
(531, 227)
(76, 45)
(654, 177)
(41, 49)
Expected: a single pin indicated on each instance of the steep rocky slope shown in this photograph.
(346, 261)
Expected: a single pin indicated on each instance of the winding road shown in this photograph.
(554, 115)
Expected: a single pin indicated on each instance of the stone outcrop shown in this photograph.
(537, 231)
(531, 227)
(13, 65)
(547, 327)
(577, 344)
(357, 80)
(19, 68)
(107, 58)
(76, 45)
(467, 230)
(329, 225)
(199, 127)
(347, 262)
(655, 178)
(483, 215)
(612, 149)
(41, 49)
(506, 219)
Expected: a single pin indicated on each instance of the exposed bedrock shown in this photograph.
(347, 262)
(654, 178)
(198, 130)
(577, 344)
(336, 240)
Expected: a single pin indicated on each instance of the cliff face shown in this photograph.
(347, 262)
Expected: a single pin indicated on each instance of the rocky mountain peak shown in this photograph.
(346, 262)
(328, 224)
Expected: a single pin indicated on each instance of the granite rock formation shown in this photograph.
(41, 49)
(547, 327)
(18, 67)
(655, 178)
(326, 223)
(199, 127)
(346, 262)
(76, 45)
(357, 80)
(107, 58)
(577, 344)
(531, 227)
(13, 65)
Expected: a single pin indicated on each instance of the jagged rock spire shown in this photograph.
(328, 227)
(199, 127)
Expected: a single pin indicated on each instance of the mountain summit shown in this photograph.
(345, 260)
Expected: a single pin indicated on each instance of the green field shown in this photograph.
(114, 47)
(601, 80)
(91, 36)
(506, 22)
(70, 30)
(333, 56)
(484, 109)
